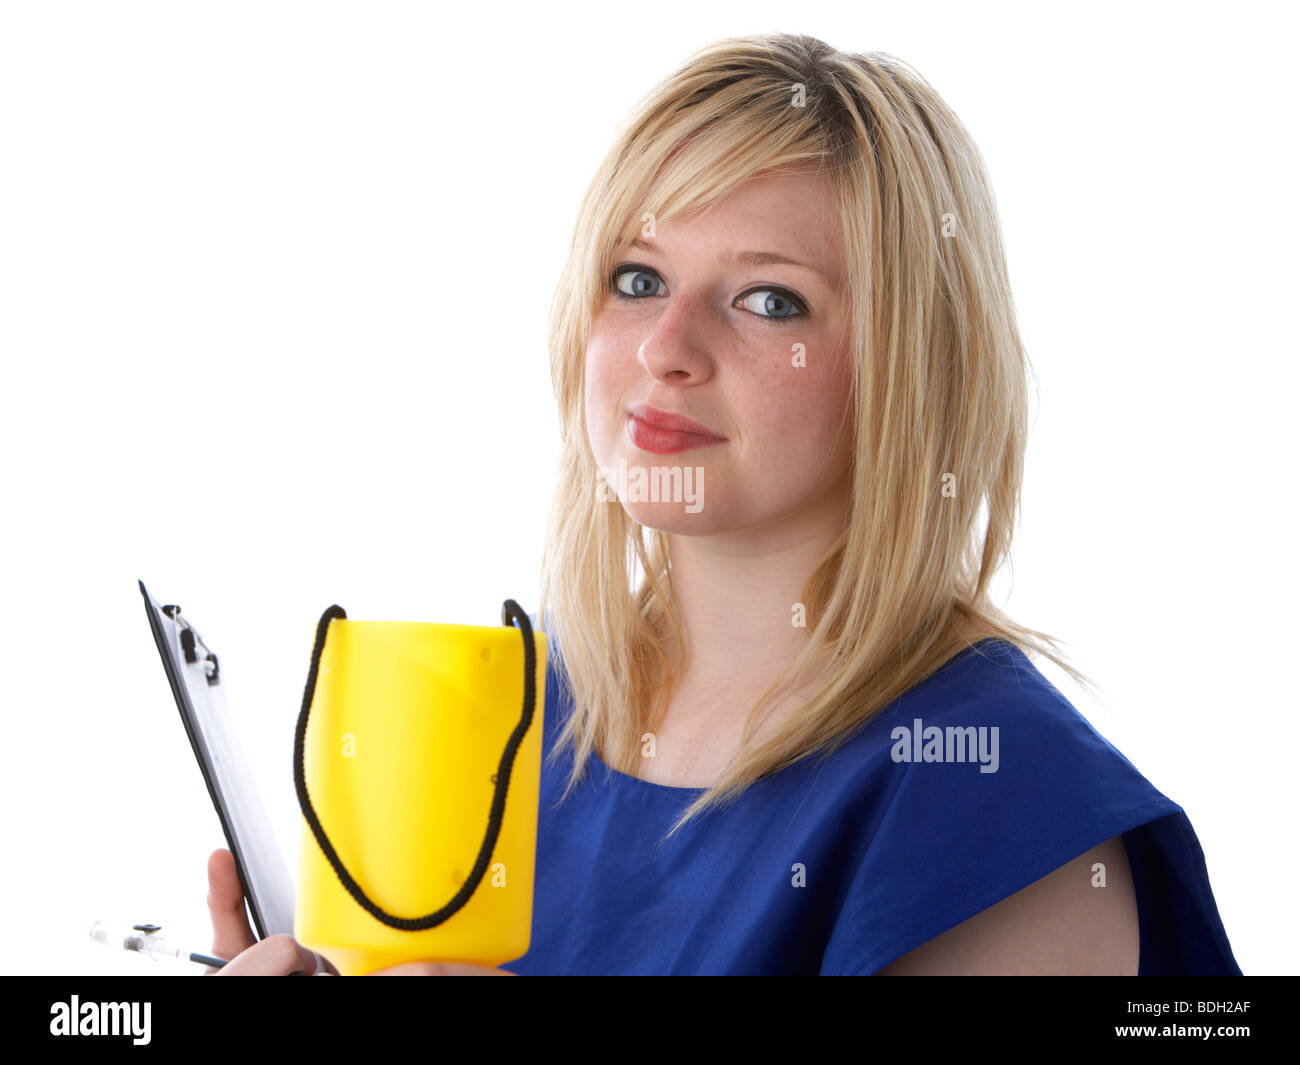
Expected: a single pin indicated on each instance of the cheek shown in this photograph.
(796, 414)
(603, 386)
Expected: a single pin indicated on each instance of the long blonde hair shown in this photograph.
(939, 384)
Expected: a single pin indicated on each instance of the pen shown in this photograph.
(142, 939)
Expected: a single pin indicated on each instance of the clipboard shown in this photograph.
(196, 681)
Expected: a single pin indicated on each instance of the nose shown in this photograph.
(675, 351)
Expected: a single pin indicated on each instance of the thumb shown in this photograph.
(231, 934)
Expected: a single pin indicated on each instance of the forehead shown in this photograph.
(772, 218)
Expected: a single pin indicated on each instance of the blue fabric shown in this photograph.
(892, 853)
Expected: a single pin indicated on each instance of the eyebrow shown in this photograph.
(749, 258)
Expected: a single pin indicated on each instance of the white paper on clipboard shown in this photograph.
(200, 693)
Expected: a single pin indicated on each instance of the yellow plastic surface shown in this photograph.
(407, 727)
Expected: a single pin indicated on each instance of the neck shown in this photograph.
(735, 597)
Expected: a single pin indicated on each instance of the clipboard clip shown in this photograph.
(190, 641)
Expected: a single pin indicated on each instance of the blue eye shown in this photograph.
(778, 307)
(776, 299)
(639, 287)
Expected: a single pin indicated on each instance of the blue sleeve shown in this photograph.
(955, 840)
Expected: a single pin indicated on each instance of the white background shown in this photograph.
(273, 291)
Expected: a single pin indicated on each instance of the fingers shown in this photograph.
(231, 934)
(440, 968)
(278, 955)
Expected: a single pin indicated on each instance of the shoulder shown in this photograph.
(987, 749)
(996, 790)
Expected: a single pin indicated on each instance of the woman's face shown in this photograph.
(750, 349)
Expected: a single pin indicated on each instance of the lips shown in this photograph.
(665, 433)
(662, 419)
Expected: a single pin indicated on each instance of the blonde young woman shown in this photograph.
(786, 731)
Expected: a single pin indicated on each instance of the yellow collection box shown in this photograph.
(418, 778)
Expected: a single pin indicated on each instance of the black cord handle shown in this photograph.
(511, 614)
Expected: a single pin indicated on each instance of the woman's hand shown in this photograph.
(440, 968)
(281, 955)
(278, 955)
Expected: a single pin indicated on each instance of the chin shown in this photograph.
(673, 518)
(665, 494)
